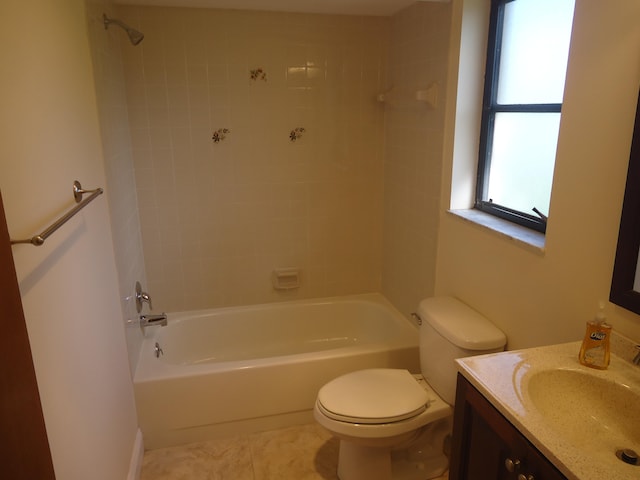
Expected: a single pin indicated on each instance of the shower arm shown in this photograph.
(134, 35)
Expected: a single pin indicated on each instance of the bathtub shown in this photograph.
(245, 369)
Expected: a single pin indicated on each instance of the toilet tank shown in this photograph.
(451, 329)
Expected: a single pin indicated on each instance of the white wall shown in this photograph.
(50, 137)
(546, 298)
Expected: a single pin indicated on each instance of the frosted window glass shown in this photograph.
(535, 47)
(522, 160)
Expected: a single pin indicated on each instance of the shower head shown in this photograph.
(134, 35)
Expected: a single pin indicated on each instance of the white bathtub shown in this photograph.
(245, 369)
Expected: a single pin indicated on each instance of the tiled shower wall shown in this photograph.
(120, 189)
(413, 152)
(218, 217)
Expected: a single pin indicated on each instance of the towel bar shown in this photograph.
(78, 191)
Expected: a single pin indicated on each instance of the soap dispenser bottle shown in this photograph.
(595, 348)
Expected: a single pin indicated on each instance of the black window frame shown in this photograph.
(490, 107)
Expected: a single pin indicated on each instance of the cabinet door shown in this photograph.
(486, 451)
(479, 450)
(486, 446)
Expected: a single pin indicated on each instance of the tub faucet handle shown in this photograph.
(142, 297)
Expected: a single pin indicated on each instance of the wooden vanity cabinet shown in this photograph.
(486, 446)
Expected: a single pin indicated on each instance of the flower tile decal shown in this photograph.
(296, 133)
(258, 74)
(220, 134)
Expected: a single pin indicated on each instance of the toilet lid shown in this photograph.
(373, 396)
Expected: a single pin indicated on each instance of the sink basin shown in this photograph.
(593, 412)
(580, 418)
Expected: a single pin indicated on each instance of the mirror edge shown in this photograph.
(626, 260)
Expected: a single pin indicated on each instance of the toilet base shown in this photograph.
(420, 457)
(365, 463)
(428, 465)
(358, 462)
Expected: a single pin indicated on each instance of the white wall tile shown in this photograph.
(413, 154)
(224, 215)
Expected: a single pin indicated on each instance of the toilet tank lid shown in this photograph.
(460, 324)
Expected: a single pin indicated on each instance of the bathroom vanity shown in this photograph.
(486, 446)
(538, 414)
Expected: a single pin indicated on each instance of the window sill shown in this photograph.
(530, 239)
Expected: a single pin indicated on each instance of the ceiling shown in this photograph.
(341, 7)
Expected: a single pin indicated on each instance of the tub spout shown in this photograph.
(151, 320)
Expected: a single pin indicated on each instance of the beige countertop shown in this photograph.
(503, 378)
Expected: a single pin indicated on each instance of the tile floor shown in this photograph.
(306, 452)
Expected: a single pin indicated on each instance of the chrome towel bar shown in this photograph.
(78, 192)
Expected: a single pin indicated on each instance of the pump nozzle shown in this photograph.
(600, 316)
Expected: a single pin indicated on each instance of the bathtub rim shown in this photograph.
(147, 371)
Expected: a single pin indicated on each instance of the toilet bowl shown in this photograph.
(374, 412)
(393, 424)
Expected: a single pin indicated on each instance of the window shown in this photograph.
(524, 84)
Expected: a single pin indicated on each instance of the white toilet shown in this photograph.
(392, 424)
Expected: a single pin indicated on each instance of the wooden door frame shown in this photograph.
(24, 452)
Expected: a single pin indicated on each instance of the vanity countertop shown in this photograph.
(503, 378)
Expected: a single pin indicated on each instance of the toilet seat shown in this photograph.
(373, 397)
